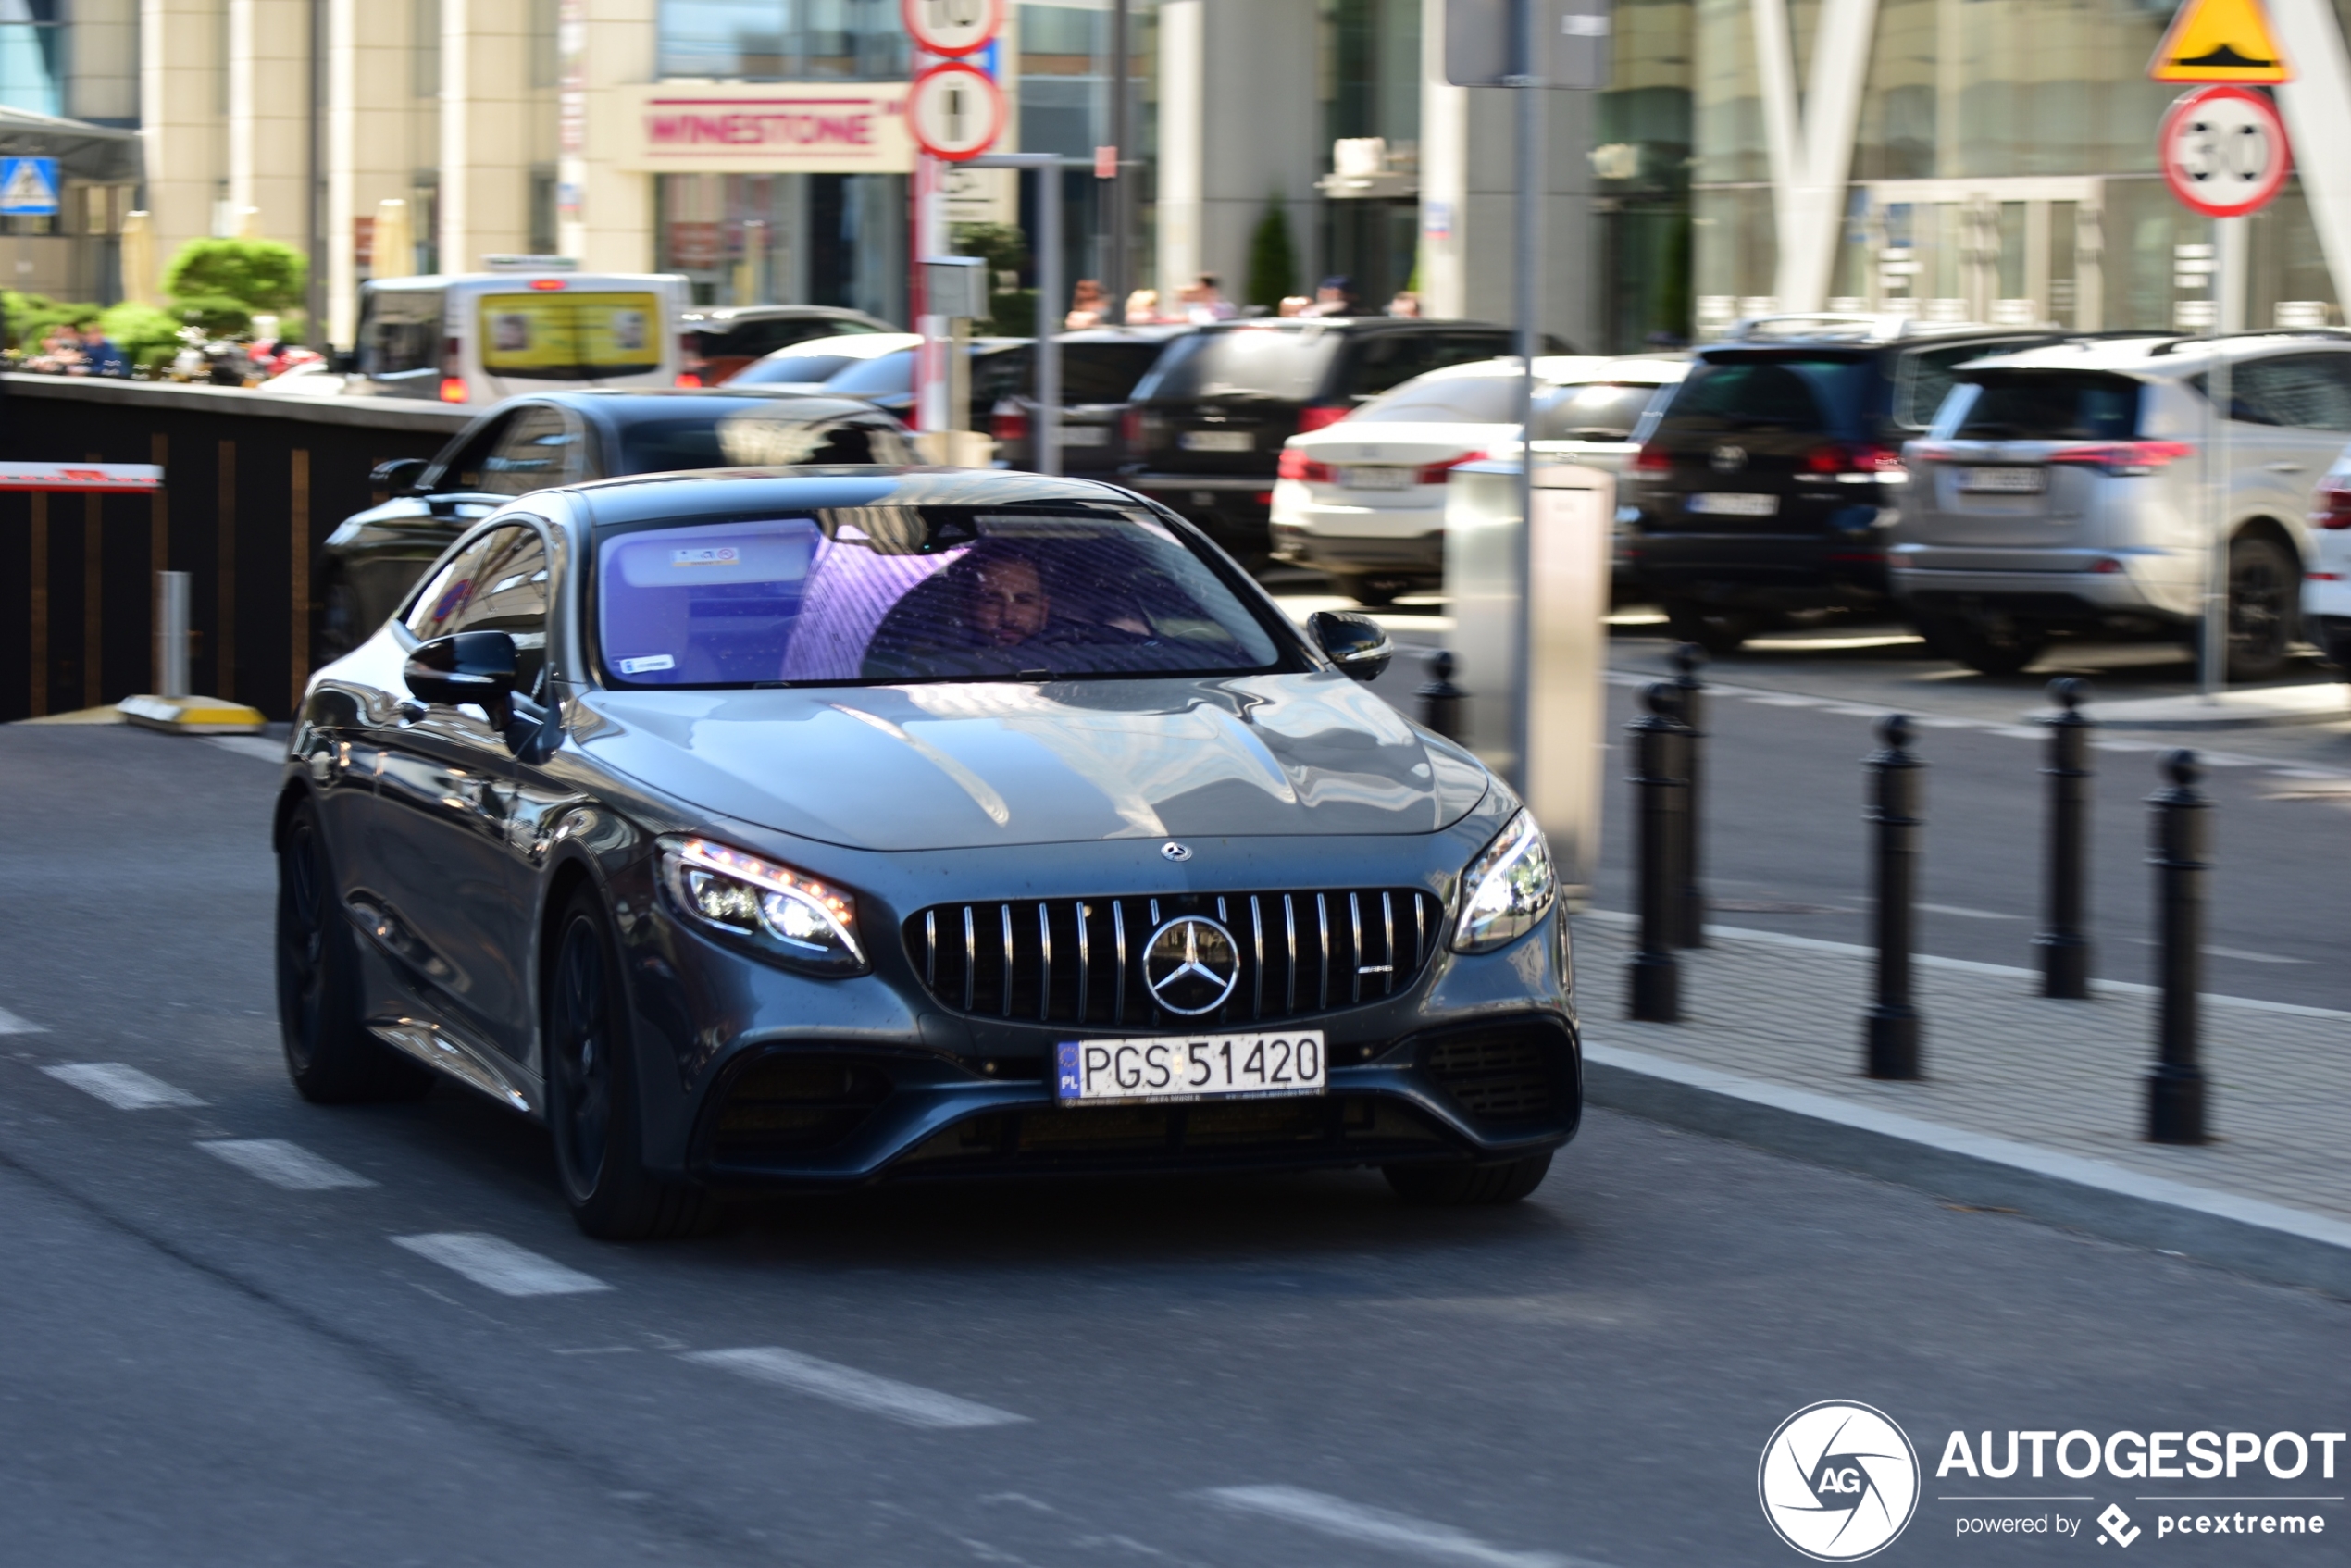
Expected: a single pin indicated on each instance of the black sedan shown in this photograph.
(814, 827)
(372, 559)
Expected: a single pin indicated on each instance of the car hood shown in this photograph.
(965, 765)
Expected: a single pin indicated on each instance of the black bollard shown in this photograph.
(1440, 699)
(1891, 1033)
(2064, 946)
(1691, 931)
(2180, 853)
(1660, 790)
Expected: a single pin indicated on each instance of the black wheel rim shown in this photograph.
(580, 1043)
(302, 941)
(2257, 606)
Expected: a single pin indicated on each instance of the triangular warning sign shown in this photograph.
(25, 187)
(2220, 41)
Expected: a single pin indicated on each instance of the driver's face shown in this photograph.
(1010, 605)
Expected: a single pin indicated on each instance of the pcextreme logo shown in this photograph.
(1839, 1481)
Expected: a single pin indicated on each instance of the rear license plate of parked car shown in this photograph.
(1724, 503)
(1376, 478)
(2004, 482)
(1190, 1067)
(1218, 440)
(1085, 435)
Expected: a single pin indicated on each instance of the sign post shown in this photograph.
(2224, 155)
(954, 111)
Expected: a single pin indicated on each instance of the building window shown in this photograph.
(784, 39)
(426, 56)
(32, 64)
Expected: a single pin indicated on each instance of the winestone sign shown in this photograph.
(766, 128)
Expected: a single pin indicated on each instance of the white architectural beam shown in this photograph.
(2317, 105)
(1812, 152)
(1183, 84)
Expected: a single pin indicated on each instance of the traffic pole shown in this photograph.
(1659, 787)
(1891, 1031)
(1687, 658)
(2063, 945)
(2179, 852)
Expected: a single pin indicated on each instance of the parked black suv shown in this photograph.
(1100, 369)
(1770, 481)
(1206, 427)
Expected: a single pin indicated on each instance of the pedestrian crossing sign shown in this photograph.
(2220, 41)
(28, 187)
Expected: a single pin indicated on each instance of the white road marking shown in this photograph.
(123, 1087)
(12, 1024)
(859, 1390)
(1966, 913)
(251, 746)
(280, 1164)
(499, 1266)
(2238, 952)
(1377, 1526)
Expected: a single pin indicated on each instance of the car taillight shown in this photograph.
(1130, 429)
(1008, 421)
(452, 389)
(452, 372)
(2124, 457)
(1296, 464)
(1652, 462)
(1858, 460)
(1434, 473)
(2333, 504)
(687, 378)
(1318, 416)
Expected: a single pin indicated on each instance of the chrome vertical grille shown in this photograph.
(1080, 961)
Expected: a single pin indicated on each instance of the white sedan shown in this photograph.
(1362, 500)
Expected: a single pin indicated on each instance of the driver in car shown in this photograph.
(1009, 604)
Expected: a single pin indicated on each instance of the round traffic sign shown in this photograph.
(954, 111)
(2225, 150)
(952, 27)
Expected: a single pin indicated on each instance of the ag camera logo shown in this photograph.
(1839, 1481)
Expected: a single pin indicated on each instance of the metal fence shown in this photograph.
(253, 485)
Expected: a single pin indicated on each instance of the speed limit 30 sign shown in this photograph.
(2223, 150)
(954, 27)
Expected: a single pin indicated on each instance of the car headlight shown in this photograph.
(1506, 889)
(785, 914)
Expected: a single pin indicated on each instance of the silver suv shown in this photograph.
(2061, 489)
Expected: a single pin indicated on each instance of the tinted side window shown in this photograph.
(2051, 406)
(2309, 392)
(1103, 372)
(1924, 377)
(538, 449)
(469, 470)
(1389, 359)
(1748, 393)
(400, 330)
(498, 584)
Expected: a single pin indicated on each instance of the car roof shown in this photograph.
(730, 313)
(857, 345)
(1645, 370)
(1859, 327)
(735, 491)
(625, 405)
(2156, 355)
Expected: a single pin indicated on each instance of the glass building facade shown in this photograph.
(32, 65)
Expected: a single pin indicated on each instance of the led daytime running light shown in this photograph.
(1507, 890)
(748, 896)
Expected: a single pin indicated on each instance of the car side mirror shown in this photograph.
(399, 476)
(1357, 644)
(466, 666)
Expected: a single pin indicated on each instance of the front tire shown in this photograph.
(1462, 1186)
(591, 1099)
(2264, 583)
(329, 1054)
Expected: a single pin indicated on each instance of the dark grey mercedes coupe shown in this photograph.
(814, 827)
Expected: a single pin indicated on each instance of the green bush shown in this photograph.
(29, 317)
(1273, 259)
(222, 315)
(259, 274)
(1011, 312)
(144, 333)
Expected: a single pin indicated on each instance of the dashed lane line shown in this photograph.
(1377, 1526)
(122, 1086)
(282, 1163)
(859, 1390)
(498, 1264)
(12, 1024)
(251, 746)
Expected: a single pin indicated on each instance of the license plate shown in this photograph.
(2004, 482)
(1190, 1067)
(1726, 504)
(1376, 478)
(1217, 441)
(1085, 435)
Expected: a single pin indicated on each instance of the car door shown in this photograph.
(445, 793)
(540, 445)
(2291, 416)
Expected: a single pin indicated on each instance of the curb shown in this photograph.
(2267, 1240)
(2248, 708)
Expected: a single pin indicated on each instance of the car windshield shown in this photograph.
(763, 435)
(1593, 410)
(875, 377)
(1456, 400)
(1287, 364)
(886, 595)
(809, 368)
(1795, 390)
(2048, 406)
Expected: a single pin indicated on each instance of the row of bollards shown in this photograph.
(1672, 907)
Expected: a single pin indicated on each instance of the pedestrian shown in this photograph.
(1406, 305)
(1292, 304)
(1334, 296)
(1206, 302)
(1142, 307)
(1086, 305)
(101, 354)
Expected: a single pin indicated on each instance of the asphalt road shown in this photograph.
(200, 1365)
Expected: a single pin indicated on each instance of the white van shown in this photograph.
(481, 337)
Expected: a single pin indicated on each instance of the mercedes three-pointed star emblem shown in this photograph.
(1191, 964)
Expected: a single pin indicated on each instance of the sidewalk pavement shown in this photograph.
(2027, 1105)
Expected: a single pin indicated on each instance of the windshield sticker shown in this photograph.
(647, 664)
(708, 555)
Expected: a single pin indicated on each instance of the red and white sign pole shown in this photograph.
(943, 33)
